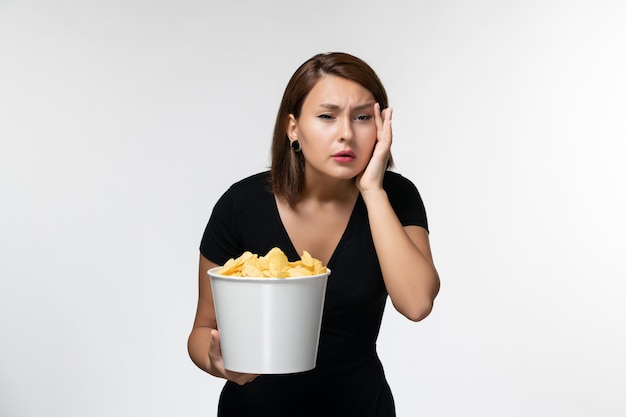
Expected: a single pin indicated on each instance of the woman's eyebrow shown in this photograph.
(364, 106)
(360, 107)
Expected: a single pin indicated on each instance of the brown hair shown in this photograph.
(287, 170)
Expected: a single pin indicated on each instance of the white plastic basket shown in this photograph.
(269, 325)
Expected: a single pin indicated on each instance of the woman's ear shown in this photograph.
(292, 127)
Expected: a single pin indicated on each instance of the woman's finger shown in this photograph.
(378, 116)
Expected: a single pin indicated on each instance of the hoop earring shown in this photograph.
(295, 146)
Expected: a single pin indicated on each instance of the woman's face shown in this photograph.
(336, 128)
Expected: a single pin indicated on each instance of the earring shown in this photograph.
(295, 146)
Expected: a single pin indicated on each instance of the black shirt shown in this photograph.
(348, 379)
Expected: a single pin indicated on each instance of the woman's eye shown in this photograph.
(325, 116)
(363, 117)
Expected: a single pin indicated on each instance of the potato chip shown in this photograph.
(234, 265)
(252, 267)
(318, 268)
(277, 262)
(273, 264)
(307, 259)
(300, 271)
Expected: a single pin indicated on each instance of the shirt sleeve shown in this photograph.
(406, 200)
(221, 239)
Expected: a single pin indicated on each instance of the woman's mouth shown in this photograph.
(344, 156)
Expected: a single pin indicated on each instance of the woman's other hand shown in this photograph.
(204, 341)
(217, 362)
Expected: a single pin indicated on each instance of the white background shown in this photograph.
(121, 122)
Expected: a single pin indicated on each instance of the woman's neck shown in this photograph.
(328, 190)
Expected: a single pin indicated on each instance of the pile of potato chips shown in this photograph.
(273, 265)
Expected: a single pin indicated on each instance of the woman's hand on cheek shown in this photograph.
(372, 177)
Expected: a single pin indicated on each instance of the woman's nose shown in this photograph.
(346, 130)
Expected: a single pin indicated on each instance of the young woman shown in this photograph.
(330, 192)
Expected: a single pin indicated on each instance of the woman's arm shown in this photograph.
(204, 341)
(403, 252)
(405, 258)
